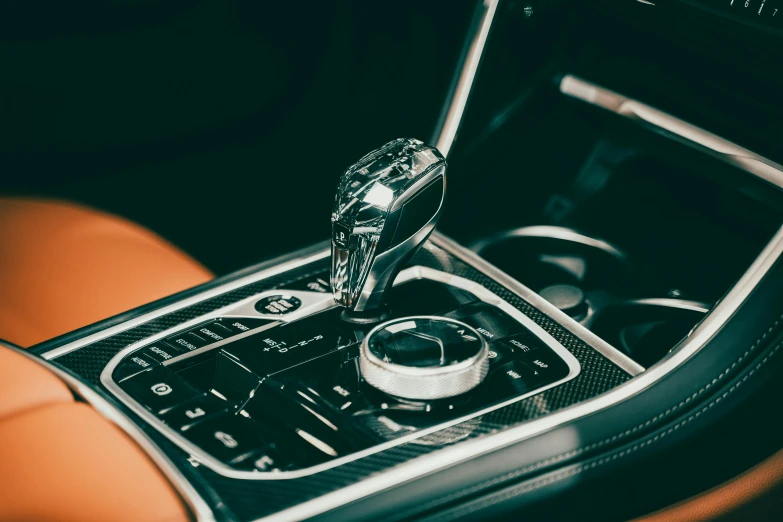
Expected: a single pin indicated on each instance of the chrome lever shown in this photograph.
(387, 204)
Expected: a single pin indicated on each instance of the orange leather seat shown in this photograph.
(753, 495)
(64, 266)
(61, 461)
(25, 385)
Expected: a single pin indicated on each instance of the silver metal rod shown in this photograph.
(464, 78)
(675, 128)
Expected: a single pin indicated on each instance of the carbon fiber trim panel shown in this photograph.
(248, 500)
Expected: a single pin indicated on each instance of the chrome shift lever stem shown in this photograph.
(387, 204)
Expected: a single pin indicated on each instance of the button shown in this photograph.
(342, 391)
(278, 304)
(131, 365)
(161, 352)
(317, 283)
(303, 414)
(213, 332)
(228, 438)
(488, 320)
(189, 414)
(384, 426)
(243, 324)
(546, 365)
(511, 380)
(516, 347)
(188, 341)
(568, 298)
(232, 380)
(159, 389)
(266, 459)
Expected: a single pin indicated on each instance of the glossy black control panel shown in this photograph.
(289, 397)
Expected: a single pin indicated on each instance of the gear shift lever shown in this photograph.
(387, 204)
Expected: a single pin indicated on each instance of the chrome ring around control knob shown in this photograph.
(424, 358)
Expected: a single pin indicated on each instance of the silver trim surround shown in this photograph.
(465, 75)
(186, 492)
(549, 231)
(680, 130)
(409, 274)
(665, 302)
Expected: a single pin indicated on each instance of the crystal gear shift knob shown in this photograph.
(386, 206)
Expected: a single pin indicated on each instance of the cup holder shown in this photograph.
(595, 283)
(646, 329)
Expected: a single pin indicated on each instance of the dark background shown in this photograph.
(222, 125)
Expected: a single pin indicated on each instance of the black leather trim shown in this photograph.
(725, 365)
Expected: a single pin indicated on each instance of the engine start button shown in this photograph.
(278, 304)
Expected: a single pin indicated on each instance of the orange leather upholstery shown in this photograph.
(754, 495)
(25, 385)
(63, 266)
(64, 463)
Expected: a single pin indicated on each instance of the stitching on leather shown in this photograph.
(579, 451)
(660, 415)
(559, 476)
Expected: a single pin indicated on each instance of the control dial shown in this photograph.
(424, 358)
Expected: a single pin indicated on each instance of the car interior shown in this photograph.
(439, 261)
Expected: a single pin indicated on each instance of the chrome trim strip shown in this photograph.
(491, 271)
(465, 76)
(276, 266)
(548, 231)
(676, 128)
(666, 302)
(472, 448)
(187, 493)
(409, 274)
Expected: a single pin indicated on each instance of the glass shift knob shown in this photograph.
(386, 206)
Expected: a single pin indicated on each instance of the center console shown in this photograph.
(288, 383)
(621, 283)
(270, 395)
(390, 353)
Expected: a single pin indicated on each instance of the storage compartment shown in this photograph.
(632, 234)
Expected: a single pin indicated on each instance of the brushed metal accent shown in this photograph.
(672, 127)
(465, 77)
(548, 231)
